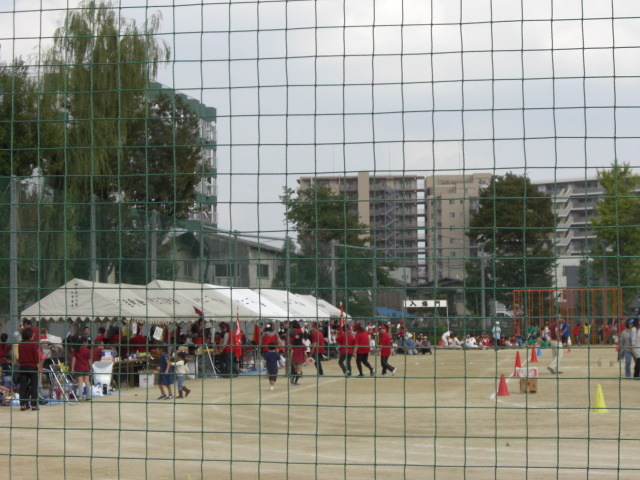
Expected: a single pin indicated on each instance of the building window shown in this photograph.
(224, 270)
(451, 202)
(188, 269)
(263, 270)
(452, 214)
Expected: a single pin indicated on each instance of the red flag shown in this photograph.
(341, 316)
(198, 311)
(238, 329)
(238, 337)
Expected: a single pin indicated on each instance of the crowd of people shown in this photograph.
(294, 345)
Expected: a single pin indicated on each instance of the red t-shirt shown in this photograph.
(101, 337)
(5, 349)
(362, 342)
(385, 344)
(351, 341)
(342, 341)
(29, 353)
(82, 357)
(268, 339)
(317, 339)
(96, 354)
(297, 353)
(138, 343)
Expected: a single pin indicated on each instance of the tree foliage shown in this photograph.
(18, 120)
(321, 216)
(515, 224)
(617, 228)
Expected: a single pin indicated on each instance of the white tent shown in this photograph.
(297, 306)
(261, 306)
(214, 305)
(324, 305)
(92, 301)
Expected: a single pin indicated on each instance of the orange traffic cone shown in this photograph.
(534, 357)
(503, 391)
(518, 365)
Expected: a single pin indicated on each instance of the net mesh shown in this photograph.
(180, 179)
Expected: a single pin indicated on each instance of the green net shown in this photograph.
(326, 239)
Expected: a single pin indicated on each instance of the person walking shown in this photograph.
(626, 345)
(385, 351)
(181, 375)
(165, 378)
(362, 347)
(556, 346)
(81, 367)
(317, 347)
(635, 342)
(341, 340)
(30, 363)
(271, 358)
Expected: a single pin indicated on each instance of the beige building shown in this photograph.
(450, 203)
(391, 205)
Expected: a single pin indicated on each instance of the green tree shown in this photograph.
(515, 223)
(320, 217)
(18, 120)
(163, 161)
(617, 228)
(98, 71)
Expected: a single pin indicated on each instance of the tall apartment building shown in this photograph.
(575, 202)
(205, 208)
(450, 203)
(391, 206)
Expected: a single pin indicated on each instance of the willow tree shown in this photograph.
(98, 70)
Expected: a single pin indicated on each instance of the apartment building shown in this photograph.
(392, 207)
(450, 203)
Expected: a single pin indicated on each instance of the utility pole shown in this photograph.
(332, 244)
(13, 254)
(483, 305)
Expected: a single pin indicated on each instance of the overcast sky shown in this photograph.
(389, 86)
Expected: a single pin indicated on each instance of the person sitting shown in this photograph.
(410, 345)
(470, 342)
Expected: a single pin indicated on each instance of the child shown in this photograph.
(165, 379)
(181, 372)
(7, 372)
(272, 357)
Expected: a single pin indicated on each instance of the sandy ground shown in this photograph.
(439, 417)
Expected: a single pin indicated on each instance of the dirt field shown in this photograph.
(438, 417)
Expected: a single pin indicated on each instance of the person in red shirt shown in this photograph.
(96, 352)
(30, 362)
(34, 328)
(317, 347)
(81, 366)
(351, 342)
(362, 347)
(101, 335)
(268, 337)
(341, 340)
(385, 351)
(298, 355)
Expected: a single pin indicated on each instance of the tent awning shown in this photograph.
(92, 301)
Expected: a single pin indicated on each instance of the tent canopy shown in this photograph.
(163, 301)
(324, 305)
(260, 306)
(294, 304)
(92, 301)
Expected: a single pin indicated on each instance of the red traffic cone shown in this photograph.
(503, 391)
(518, 365)
(534, 357)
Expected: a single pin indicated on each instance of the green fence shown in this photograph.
(411, 163)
